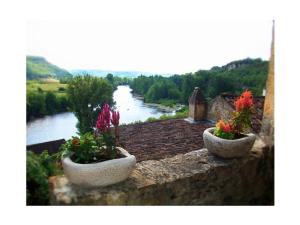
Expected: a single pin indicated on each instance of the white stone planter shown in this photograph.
(99, 174)
(228, 148)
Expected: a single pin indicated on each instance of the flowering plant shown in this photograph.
(105, 119)
(241, 118)
(101, 145)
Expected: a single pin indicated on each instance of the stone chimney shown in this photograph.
(197, 106)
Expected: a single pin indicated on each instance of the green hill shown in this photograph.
(38, 67)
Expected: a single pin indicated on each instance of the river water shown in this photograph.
(63, 125)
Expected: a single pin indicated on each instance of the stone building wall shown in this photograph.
(195, 178)
(218, 109)
(268, 123)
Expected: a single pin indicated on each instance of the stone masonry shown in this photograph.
(194, 178)
(268, 122)
(197, 106)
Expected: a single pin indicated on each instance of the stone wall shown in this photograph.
(218, 109)
(194, 178)
(267, 131)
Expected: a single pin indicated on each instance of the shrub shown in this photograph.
(61, 89)
(38, 169)
(87, 96)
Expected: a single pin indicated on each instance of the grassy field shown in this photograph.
(51, 85)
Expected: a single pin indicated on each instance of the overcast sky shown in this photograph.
(148, 46)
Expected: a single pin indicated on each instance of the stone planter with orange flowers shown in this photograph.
(228, 148)
(232, 139)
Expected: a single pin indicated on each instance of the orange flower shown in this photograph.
(227, 128)
(238, 104)
(223, 126)
(244, 101)
(75, 141)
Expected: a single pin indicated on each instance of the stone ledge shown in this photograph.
(194, 178)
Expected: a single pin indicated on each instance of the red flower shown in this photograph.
(75, 141)
(225, 127)
(115, 118)
(244, 101)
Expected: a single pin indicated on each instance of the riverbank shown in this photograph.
(161, 107)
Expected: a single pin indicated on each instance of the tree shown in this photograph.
(188, 86)
(87, 95)
(51, 103)
(110, 78)
(35, 105)
(220, 84)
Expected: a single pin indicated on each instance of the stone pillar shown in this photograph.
(267, 129)
(197, 106)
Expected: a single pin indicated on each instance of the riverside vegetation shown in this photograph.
(234, 77)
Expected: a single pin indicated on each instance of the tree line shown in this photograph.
(248, 74)
(40, 103)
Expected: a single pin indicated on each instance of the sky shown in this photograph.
(148, 46)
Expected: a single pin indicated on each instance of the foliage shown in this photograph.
(87, 95)
(241, 119)
(224, 130)
(38, 169)
(35, 105)
(45, 85)
(182, 113)
(97, 146)
(83, 149)
(167, 102)
(234, 77)
(41, 103)
(45, 97)
(162, 90)
(115, 81)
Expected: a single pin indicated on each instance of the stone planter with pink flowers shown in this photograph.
(94, 159)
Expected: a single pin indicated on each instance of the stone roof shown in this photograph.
(157, 140)
(258, 107)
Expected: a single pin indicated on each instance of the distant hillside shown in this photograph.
(39, 67)
(248, 62)
(103, 73)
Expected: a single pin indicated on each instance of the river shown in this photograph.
(63, 125)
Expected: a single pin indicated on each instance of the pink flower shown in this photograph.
(103, 121)
(100, 124)
(106, 114)
(115, 118)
